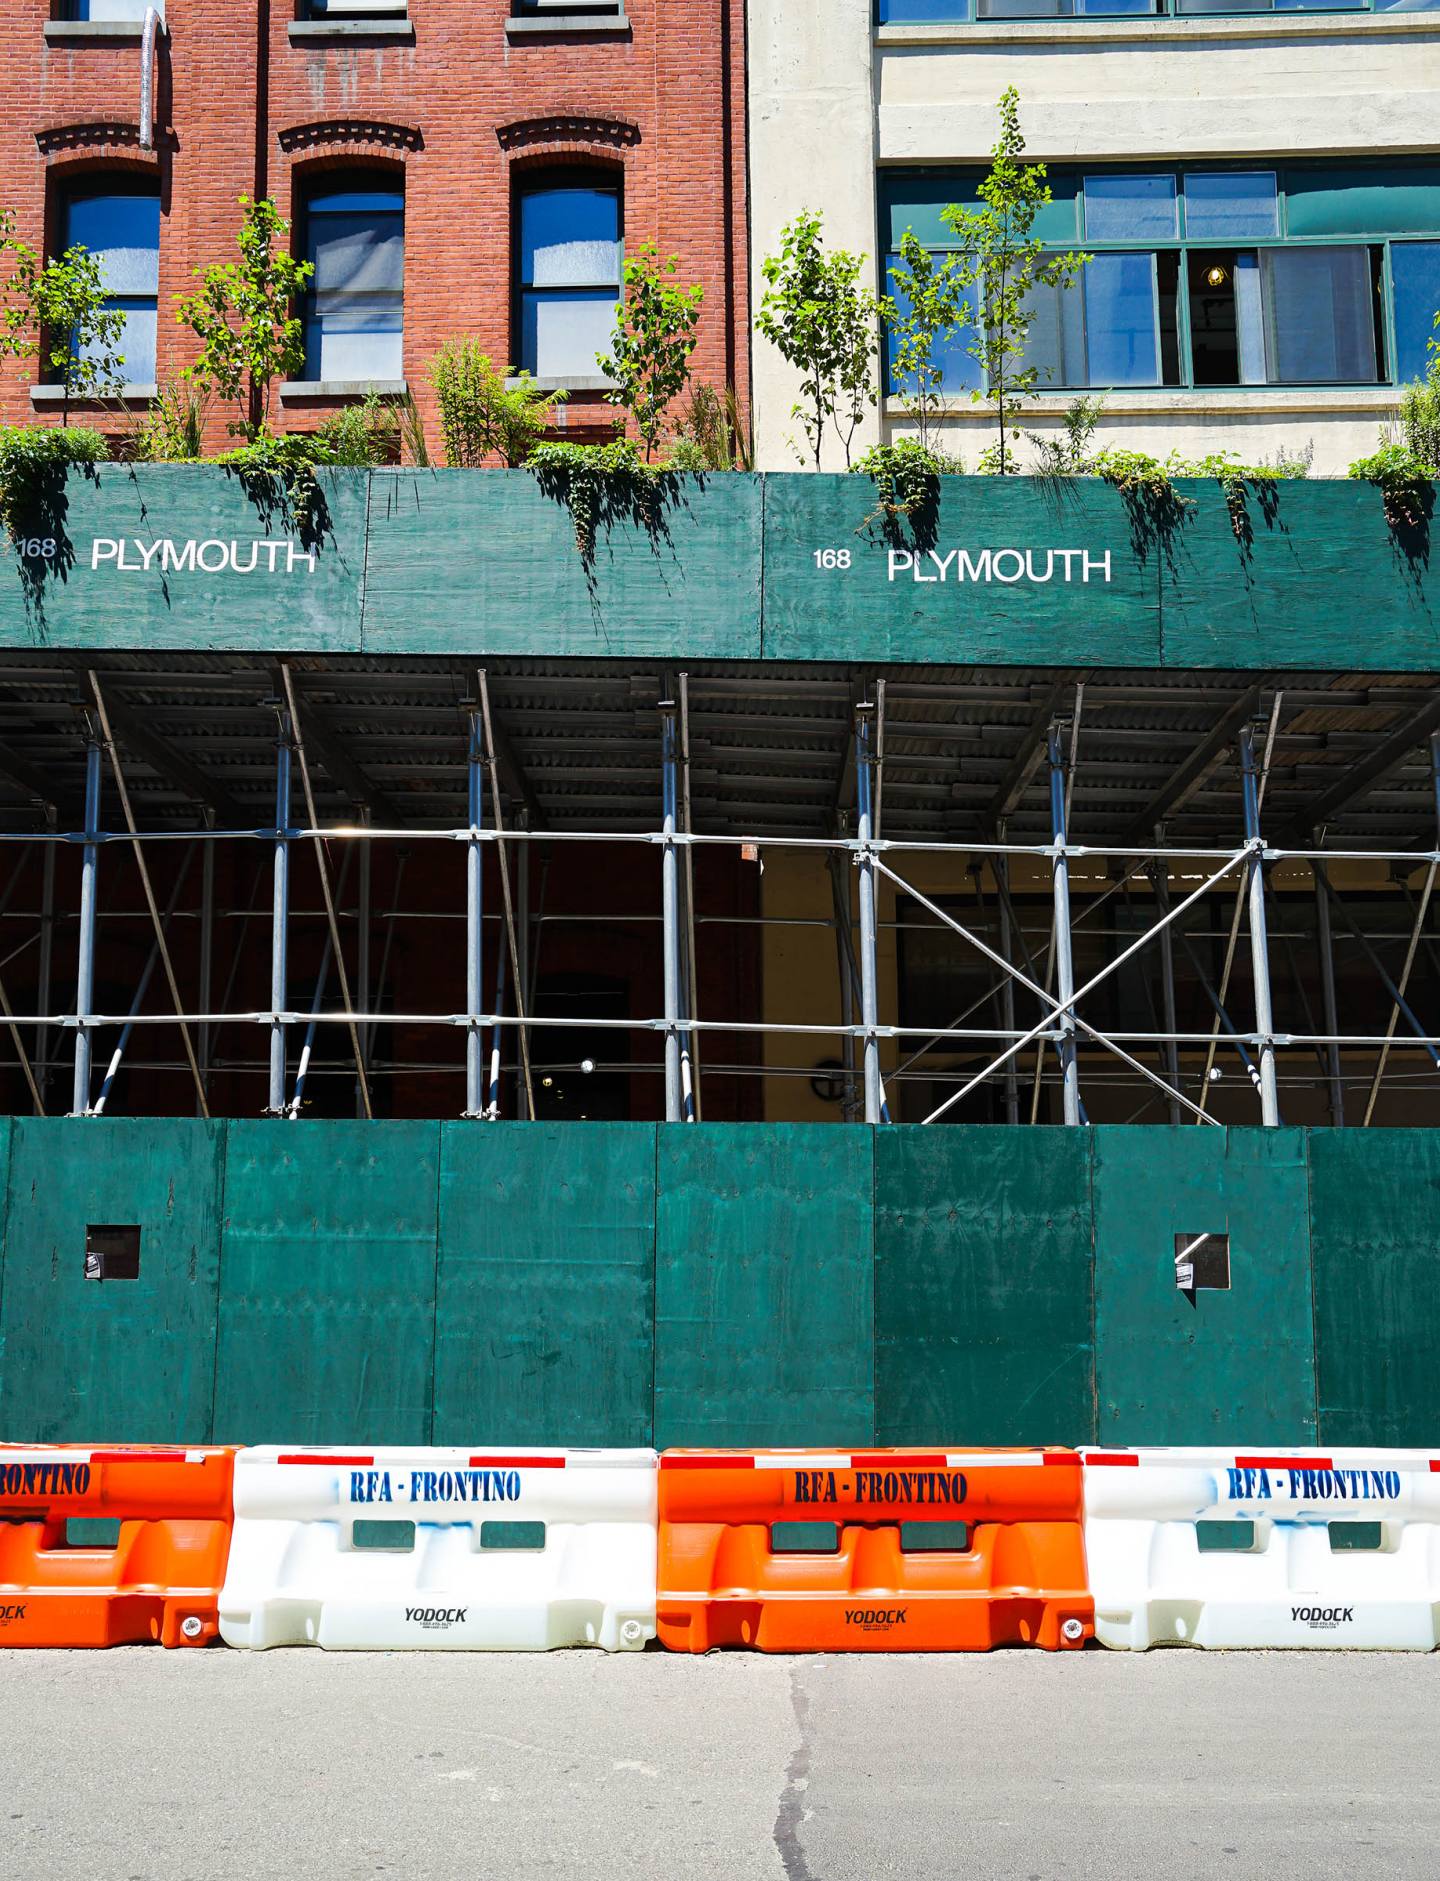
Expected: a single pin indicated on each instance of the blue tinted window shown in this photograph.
(354, 308)
(1129, 208)
(960, 372)
(1122, 334)
(569, 259)
(1416, 270)
(923, 12)
(122, 231)
(1234, 205)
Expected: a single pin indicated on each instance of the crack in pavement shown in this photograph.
(792, 1814)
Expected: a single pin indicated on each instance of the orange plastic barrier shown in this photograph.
(882, 1551)
(159, 1577)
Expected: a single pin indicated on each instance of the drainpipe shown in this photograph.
(149, 35)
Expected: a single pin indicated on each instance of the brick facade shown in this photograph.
(455, 102)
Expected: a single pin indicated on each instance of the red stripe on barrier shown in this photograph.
(1283, 1463)
(517, 1462)
(1065, 1462)
(356, 1460)
(137, 1456)
(908, 1460)
(1091, 1461)
(1434, 1467)
(709, 1462)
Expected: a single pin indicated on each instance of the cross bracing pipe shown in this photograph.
(85, 969)
(865, 861)
(1331, 1013)
(151, 962)
(1064, 955)
(1259, 940)
(474, 925)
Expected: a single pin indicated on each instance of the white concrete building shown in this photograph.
(1259, 185)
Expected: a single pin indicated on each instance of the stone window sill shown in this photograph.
(66, 32)
(592, 383)
(137, 394)
(528, 25)
(309, 32)
(344, 388)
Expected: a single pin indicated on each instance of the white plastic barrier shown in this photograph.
(1208, 1547)
(520, 1550)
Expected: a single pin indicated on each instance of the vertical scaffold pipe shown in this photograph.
(85, 970)
(869, 977)
(280, 920)
(1259, 937)
(1064, 954)
(670, 907)
(474, 915)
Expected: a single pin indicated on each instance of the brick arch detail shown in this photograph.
(348, 136)
(568, 135)
(62, 144)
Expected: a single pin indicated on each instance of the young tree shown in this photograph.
(654, 338)
(824, 323)
(246, 320)
(485, 412)
(929, 305)
(1005, 262)
(56, 313)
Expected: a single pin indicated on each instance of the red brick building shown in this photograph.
(475, 169)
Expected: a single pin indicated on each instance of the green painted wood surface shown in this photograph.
(984, 1266)
(764, 1285)
(469, 562)
(877, 610)
(1374, 1205)
(112, 1360)
(1317, 579)
(327, 1283)
(1229, 1366)
(83, 597)
(546, 1303)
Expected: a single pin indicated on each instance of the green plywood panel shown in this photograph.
(876, 608)
(983, 1286)
(544, 1319)
(466, 562)
(1232, 1366)
(1320, 580)
(114, 1361)
(1374, 1203)
(6, 1134)
(764, 1285)
(327, 1290)
(171, 556)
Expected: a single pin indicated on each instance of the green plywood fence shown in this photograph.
(782, 567)
(1374, 1210)
(1212, 1367)
(764, 1285)
(983, 1285)
(545, 1309)
(741, 1284)
(127, 1360)
(327, 1283)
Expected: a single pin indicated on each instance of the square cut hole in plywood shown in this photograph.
(112, 1251)
(1202, 1262)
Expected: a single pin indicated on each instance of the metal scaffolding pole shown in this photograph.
(138, 999)
(670, 908)
(207, 947)
(89, 885)
(474, 926)
(280, 918)
(502, 856)
(869, 974)
(1007, 983)
(47, 951)
(692, 972)
(1259, 936)
(362, 949)
(1160, 876)
(1416, 934)
(1326, 942)
(1064, 956)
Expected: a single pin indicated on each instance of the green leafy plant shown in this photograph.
(35, 462)
(1405, 479)
(172, 431)
(1069, 454)
(711, 432)
(362, 435)
(1237, 479)
(654, 336)
(824, 324)
(284, 467)
(56, 313)
(599, 483)
(1420, 410)
(414, 444)
(244, 317)
(485, 412)
(1004, 261)
(930, 304)
(904, 474)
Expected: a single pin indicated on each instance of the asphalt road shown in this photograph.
(302, 1766)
